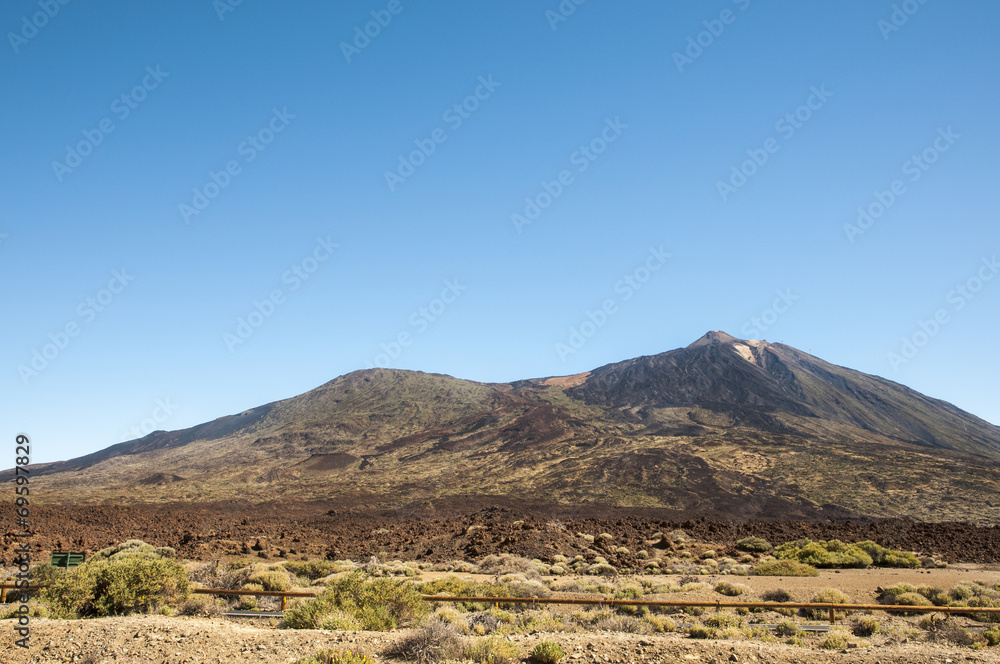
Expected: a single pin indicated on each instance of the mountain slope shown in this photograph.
(752, 380)
(723, 427)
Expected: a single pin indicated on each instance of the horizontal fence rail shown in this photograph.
(680, 604)
(283, 594)
(832, 608)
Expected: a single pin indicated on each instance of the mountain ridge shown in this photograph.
(721, 426)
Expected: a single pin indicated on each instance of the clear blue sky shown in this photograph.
(309, 128)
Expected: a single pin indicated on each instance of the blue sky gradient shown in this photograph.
(438, 256)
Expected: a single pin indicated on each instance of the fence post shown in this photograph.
(283, 602)
(833, 617)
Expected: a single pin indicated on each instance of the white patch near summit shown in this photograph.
(745, 352)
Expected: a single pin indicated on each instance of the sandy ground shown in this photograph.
(176, 640)
(858, 584)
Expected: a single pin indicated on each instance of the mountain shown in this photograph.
(724, 427)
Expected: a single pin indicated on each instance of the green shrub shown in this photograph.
(945, 630)
(625, 624)
(826, 596)
(456, 587)
(378, 604)
(271, 580)
(889, 595)
(721, 619)
(777, 595)
(833, 641)
(985, 602)
(788, 628)
(602, 569)
(660, 623)
(874, 550)
(247, 603)
(434, 642)
(937, 596)
(784, 568)
(913, 599)
(491, 650)
(900, 559)
(754, 545)
(337, 657)
(128, 548)
(312, 569)
(992, 637)
(702, 632)
(865, 626)
(832, 553)
(44, 574)
(883, 557)
(201, 606)
(34, 611)
(118, 586)
(547, 652)
(340, 621)
(730, 589)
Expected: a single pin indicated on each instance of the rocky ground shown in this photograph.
(439, 530)
(443, 531)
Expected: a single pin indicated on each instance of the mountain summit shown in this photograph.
(723, 427)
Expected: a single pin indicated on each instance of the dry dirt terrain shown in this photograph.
(443, 531)
(161, 640)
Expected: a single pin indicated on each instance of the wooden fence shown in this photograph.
(832, 609)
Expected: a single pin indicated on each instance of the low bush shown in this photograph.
(702, 632)
(312, 569)
(788, 628)
(378, 604)
(271, 580)
(602, 569)
(730, 589)
(721, 619)
(456, 587)
(118, 586)
(945, 630)
(777, 595)
(826, 596)
(985, 602)
(937, 596)
(992, 637)
(201, 606)
(341, 621)
(128, 548)
(624, 624)
(883, 557)
(34, 611)
(547, 652)
(491, 650)
(832, 553)
(865, 626)
(754, 545)
(660, 623)
(506, 563)
(784, 568)
(44, 574)
(434, 642)
(833, 641)
(910, 599)
(337, 657)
